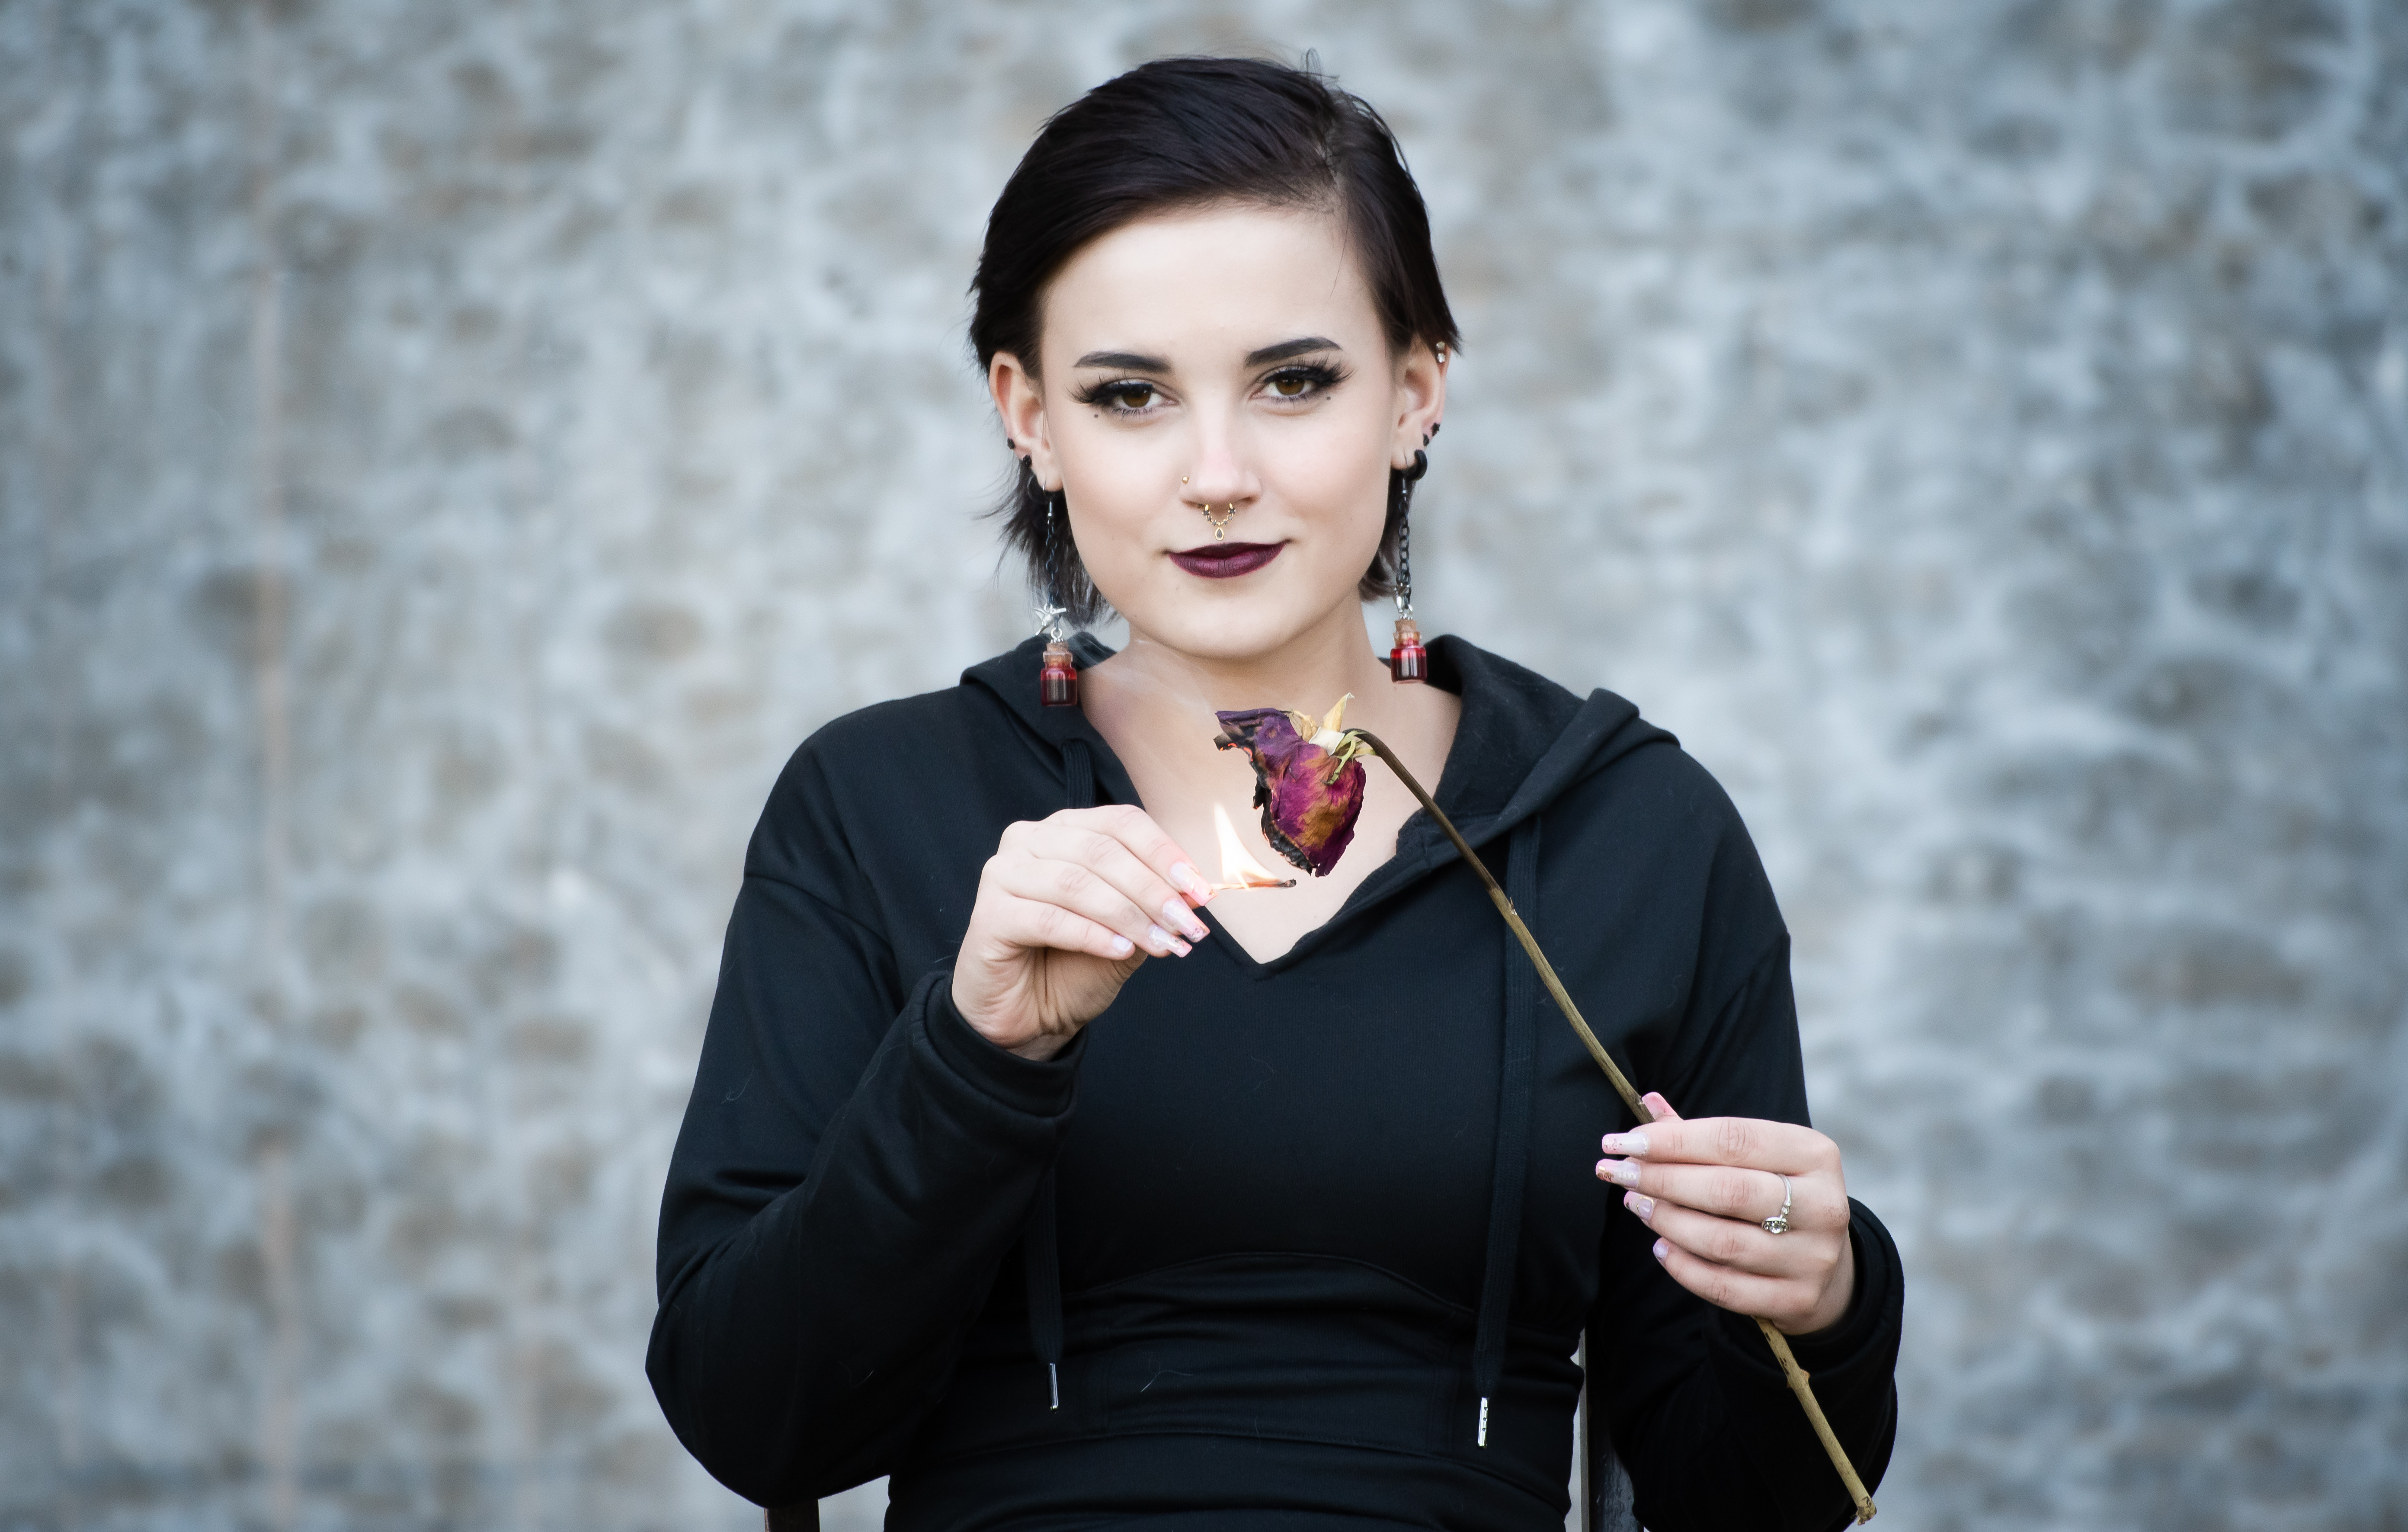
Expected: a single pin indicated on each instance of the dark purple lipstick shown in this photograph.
(1226, 560)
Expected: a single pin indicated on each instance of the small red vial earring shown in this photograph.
(1408, 660)
(1057, 684)
(1058, 680)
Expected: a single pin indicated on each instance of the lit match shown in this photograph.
(1240, 870)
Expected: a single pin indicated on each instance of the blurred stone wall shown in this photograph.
(450, 452)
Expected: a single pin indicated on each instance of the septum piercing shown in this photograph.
(1220, 521)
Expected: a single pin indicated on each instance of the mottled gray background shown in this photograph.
(450, 452)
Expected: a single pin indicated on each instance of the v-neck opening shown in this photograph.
(1384, 879)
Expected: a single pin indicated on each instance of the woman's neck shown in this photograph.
(1309, 672)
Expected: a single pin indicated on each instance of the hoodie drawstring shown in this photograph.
(1078, 775)
(1513, 1090)
(1040, 1243)
(1041, 1264)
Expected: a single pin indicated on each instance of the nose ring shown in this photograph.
(1218, 515)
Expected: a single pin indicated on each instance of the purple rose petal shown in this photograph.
(1309, 811)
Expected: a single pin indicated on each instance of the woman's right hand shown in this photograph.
(1067, 907)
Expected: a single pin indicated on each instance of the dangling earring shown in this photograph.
(1408, 660)
(1057, 680)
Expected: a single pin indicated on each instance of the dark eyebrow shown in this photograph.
(1124, 361)
(1136, 362)
(1286, 349)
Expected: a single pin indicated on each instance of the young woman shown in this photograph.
(1023, 1168)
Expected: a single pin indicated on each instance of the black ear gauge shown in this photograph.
(1421, 467)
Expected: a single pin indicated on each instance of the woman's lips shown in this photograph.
(1226, 560)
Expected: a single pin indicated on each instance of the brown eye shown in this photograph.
(1132, 395)
(1302, 382)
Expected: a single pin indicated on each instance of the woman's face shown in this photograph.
(1228, 356)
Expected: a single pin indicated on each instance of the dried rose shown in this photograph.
(1308, 779)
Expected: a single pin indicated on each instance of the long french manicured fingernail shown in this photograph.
(1121, 946)
(1186, 877)
(1662, 1250)
(1626, 1143)
(1164, 943)
(1620, 1172)
(1180, 916)
(1641, 1206)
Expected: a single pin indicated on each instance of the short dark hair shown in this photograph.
(1183, 132)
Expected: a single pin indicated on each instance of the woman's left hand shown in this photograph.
(1707, 1188)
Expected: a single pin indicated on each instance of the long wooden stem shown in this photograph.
(1805, 1392)
(1622, 1085)
(1799, 1384)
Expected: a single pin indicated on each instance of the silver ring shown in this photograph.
(1779, 1222)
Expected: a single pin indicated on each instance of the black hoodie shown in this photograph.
(1307, 1214)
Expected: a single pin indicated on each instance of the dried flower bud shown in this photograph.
(1308, 782)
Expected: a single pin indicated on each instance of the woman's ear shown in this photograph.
(1420, 402)
(1020, 402)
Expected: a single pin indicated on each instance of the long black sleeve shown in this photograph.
(839, 1202)
(1700, 1413)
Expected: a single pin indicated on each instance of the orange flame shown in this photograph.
(1237, 869)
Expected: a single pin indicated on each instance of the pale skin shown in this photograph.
(1233, 356)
